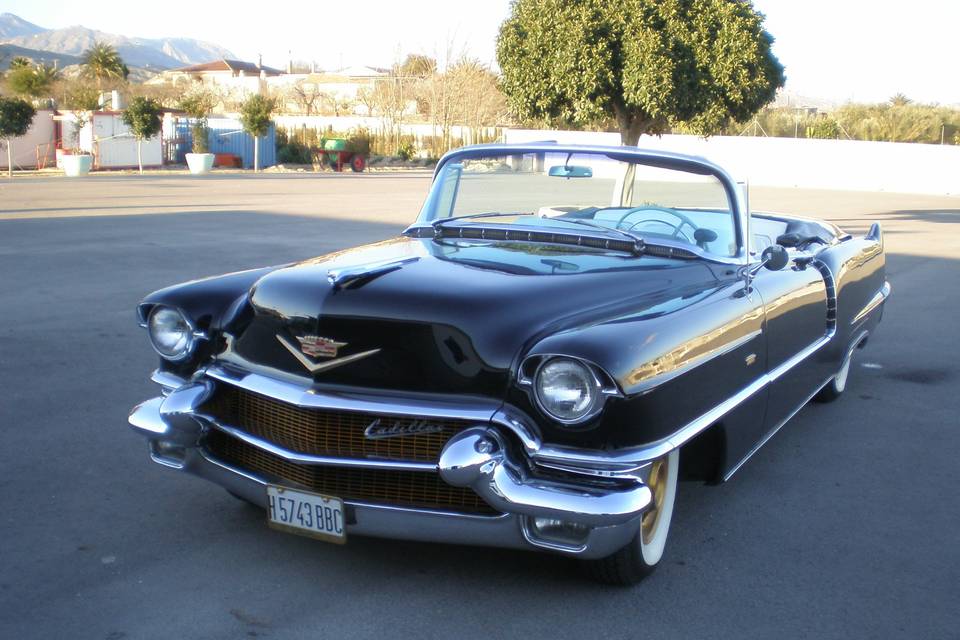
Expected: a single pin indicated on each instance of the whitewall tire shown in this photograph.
(838, 384)
(639, 558)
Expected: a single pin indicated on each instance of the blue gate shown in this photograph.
(226, 135)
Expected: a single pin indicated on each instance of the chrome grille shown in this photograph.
(324, 432)
(397, 488)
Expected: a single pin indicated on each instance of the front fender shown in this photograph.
(672, 363)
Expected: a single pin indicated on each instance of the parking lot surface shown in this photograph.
(845, 525)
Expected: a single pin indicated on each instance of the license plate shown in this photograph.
(306, 513)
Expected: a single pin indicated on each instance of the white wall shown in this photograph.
(788, 162)
(38, 142)
(115, 147)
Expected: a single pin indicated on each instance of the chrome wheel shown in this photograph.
(658, 487)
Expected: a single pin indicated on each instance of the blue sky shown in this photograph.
(838, 50)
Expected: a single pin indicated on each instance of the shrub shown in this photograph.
(294, 153)
(406, 149)
(823, 128)
(360, 141)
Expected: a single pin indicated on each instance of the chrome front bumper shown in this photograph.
(479, 457)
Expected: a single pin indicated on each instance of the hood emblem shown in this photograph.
(380, 429)
(318, 347)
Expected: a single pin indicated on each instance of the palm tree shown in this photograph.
(102, 62)
(900, 100)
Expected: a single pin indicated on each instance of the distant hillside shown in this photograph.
(9, 51)
(147, 53)
(12, 26)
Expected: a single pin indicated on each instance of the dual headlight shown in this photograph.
(171, 334)
(567, 390)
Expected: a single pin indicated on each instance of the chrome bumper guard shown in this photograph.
(478, 457)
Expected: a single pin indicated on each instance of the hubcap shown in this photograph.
(658, 487)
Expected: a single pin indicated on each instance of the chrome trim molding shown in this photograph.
(368, 401)
(411, 523)
(329, 461)
(195, 333)
(773, 432)
(167, 380)
(343, 277)
(603, 388)
(633, 459)
(878, 299)
(159, 419)
(477, 458)
(317, 367)
(738, 204)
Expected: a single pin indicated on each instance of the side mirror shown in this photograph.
(775, 257)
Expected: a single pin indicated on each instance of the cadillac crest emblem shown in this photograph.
(319, 347)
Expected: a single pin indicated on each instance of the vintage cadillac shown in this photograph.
(563, 333)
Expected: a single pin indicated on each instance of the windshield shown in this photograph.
(564, 190)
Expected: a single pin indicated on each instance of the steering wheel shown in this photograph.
(684, 220)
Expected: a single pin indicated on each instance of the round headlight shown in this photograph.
(566, 389)
(170, 333)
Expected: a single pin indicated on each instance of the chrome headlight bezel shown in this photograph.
(189, 332)
(599, 383)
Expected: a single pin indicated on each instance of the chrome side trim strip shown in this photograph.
(331, 461)
(853, 345)
(773, 432)
(879, 298)
(633, 459)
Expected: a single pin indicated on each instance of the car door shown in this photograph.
(795, 323)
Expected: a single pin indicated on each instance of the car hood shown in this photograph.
(445, 316)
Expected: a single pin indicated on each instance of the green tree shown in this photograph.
(19, 61)
(198, 105)
(144, 117)
(16, 115)
(645, 65)
(102, 63)
(255, 114)
(32, 81)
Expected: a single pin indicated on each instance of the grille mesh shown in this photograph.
(399, 488)
(324, 432)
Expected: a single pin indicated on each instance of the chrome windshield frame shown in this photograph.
(662, 159)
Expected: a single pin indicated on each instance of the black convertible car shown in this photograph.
(562, 333)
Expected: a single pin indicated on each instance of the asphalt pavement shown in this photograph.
(845, 525)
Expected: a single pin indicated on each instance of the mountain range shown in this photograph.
(154, 54)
